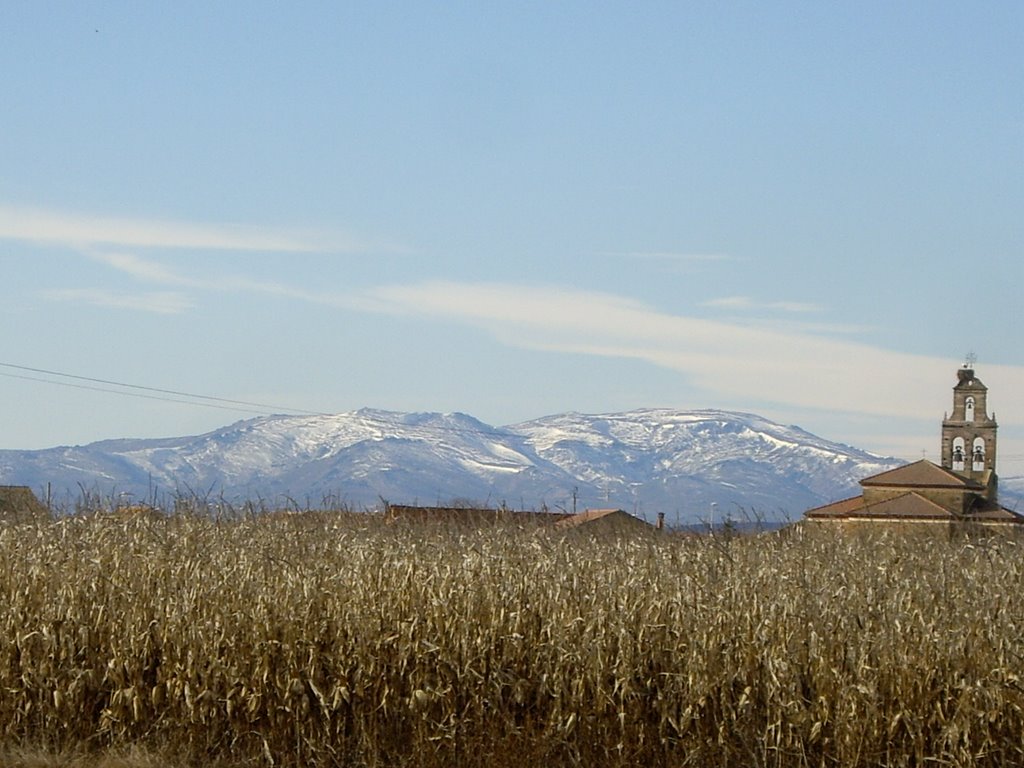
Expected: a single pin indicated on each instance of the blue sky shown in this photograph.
(810, 211)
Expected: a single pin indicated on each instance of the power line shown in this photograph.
(209, 400)
(243, 406)
(129, 394)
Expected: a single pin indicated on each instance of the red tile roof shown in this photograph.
(921, 474)
(911, 506)
(991, 512)
(908, 506)
(590, 515)
(836, 508)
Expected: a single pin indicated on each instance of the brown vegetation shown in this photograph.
(19, 505)
(340, 641)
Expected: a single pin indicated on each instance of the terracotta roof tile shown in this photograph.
(995, 513)
(836, 508)
(590, 515)
(908, 506)
(920, 474)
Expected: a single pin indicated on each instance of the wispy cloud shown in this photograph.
(783, 365)
(151, 272)
(158, 273)
(82, 230)
(670, 258)
(752, 364)
(672, 262)
(158, 302)
(146, 270)
(747, 304)
(115, 243)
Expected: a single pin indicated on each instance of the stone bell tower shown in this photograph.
(969, 433)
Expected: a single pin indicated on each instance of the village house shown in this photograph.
(962, 491)
(468, 516)
(19, 505)
(592, 520)
(606, 521)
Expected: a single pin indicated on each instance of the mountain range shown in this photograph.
(703, 465)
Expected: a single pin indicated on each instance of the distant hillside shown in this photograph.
(1011, 492)
(692, 465)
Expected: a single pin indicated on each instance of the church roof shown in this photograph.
(912, 506)
(593, 515)
(836, 508)
(921, 474)
(908, 506)
(991, 512)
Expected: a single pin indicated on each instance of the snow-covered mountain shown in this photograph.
(692, 465)
(1011, 492)
(700, 464)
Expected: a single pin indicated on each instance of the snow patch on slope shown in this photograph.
(646, 461)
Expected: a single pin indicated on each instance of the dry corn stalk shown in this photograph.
(318, 639)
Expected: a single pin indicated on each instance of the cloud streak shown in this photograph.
(82, 231)
(150, 271)
(157, 302)
(673, 256)
(763, 364)
(145, 270)
(174, 302)
(753, 364)
(745, 303)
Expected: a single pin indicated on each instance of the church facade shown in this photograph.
(964, 489)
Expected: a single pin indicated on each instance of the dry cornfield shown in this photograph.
(336, 640)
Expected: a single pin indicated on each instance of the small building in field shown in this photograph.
(592, 520)
(19, 505)
(604, 521)
(962, 491)
(468, 516)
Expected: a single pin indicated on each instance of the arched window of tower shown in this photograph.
(969, 409)
(979, 454)
(958, 453)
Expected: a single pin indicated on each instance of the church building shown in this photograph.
(963, 490)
